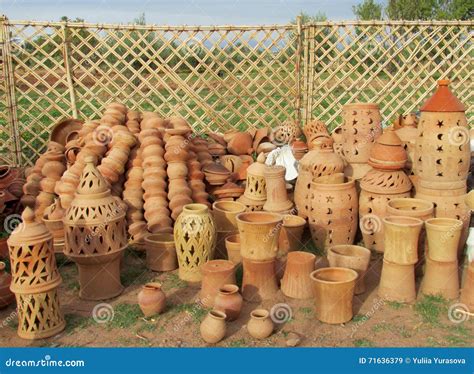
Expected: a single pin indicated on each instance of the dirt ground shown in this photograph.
(375, 324)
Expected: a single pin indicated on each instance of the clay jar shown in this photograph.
(260, 325)
(232, 244)
(277, 196)
(296, 282)
(290, 234)
(333, 292)
(6, 296)
(443, 235)
(401, 239)
(160, 252)
(213, 327)
(397, 282)
(352, 257)
(151, 299)
(441, 278)
(215, 274)
(229, 301)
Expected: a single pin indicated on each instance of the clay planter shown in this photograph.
(215, 274)
(410, 207)
(397, 282)
(290, 234)
(225, 213)
(260, 325)
(441, 278)
(333, 292)
(296, 282)
(213, 327)
(6, 296)
(229, 301)
(334, 211)
(259, 280)
(232, 244)
(160, 252)
(401, 239)
(259, 233)
(352, 257)
(277, 196)
(443, 235)
(195, 239)
(151, 299)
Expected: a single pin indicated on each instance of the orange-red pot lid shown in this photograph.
(443, 100)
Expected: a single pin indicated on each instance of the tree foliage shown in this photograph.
(368, 10)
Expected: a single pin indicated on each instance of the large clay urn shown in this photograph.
(296, 282)
(215, 274)
(6, 296)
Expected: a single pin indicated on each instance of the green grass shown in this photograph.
(395, 305)
(197, 311)
(238, 343)
(306, 310)
(360, 318)
(430, 307)
(125, 316)
(76, 322)
(172, 281)
(363, 343)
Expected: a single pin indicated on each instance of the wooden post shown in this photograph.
(67, 67)
(298, 72)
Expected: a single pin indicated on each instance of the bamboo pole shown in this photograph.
(298, 71)
(67, 67)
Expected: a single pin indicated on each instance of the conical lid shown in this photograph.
(29, 230)
(92, 182)
(388, 153)
(443, 100)
(258, 167)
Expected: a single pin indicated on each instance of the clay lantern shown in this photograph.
(255, 193)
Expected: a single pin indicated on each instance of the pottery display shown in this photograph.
(260, 325)
(397, 282)
(6, 296)
(333, 292)
(259, 280)
(151, 299)
(443, 235)
(240, 144)
(441, 278)
(291, 234)
(213, 327)
(352, 257)
(401, 235)
(65, 130)
(196, 179)
(296, 282)
(229, 301)
(255, 193)
(277, 196)
(160, 252)
(215, 274)
(195, 239)
(232, 244)
(225, 213)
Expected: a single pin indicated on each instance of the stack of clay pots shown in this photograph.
(200, 147)
(195, 179)
(133, 122)
(225, 213)
(385, 181)
(277, 195)
(255, 193)
(229, 191)
(215, 274)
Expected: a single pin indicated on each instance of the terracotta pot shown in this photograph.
(333, 292)
(260, 325)
(259, 233)
(225, 213)
(443, 235)
(151, 299)
(259, 280)
(255, 186)
(441, 278)
(6, 296)
(401, 239)
(334, 211)
(232, 244)
(467, 292)
(277, 197)
(352, 257)
(296, 282)
(229, 301)
(160, 252)
(213, 327)
(315, 129)
(290, 234)
(408, 133)
(215, 274)
(410, 207)
(397, 282)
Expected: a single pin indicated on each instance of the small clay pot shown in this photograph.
(260, 325)
(296, 282)
(6, 296)
(232, 244)
(215, 274)
(213, 327)
(152, 299)
(160, 252)
(443, 236)
(441, 278)
(397, 282)
(229, 301)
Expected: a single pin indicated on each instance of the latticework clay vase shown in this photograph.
(401, 236)
(213, 327)
(443, 235)
(232, 244)
(151, 299)
(259, 280)
(229, 301)
(441, 278)
(291, 234)
(6, 296)
(96, 235)
(160, 252)
(260, 325)
(277, 196)
(397, 282)
(334, 209)
(215, 274)
(255, 193)
(352, 257)
(195, 239)
(35, 279)
(333, 292)
(296, 282)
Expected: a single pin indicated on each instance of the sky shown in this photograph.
(177, 12)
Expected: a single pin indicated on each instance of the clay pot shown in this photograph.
(410, 207)
(213, 327)
(215, 274)
(232, 244)
(260, 325)
(397, 282)
(194, 250)
(259, 233)
(6, 296)
(255, 187)
(160, 252)
(352, 257)
(229, 301)
(333, 292)
(296, 282)
(65, 130)
(277, 197)
(443, 235)
(290, 234)
(401, 239)
(152, 299)
(441, 278)
(313, 130)
(225, 213)
(259, 280)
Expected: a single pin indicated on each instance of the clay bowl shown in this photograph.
(63, 131)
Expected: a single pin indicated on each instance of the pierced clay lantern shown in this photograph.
(96, 235)
(255, 193)
(35, 279)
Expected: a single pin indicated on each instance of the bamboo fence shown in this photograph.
(219, 77)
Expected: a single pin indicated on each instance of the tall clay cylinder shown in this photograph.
(259, 280)
(215, 274)
(296, 282)
(443, 236)
(277, 196)
(441, 278)
(401, 239)
(397, 282)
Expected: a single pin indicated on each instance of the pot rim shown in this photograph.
(217, 314)
(289, 217)
(259, 313)
(217, 266)
(195, 208)
(152, 285)
(160, 237)
(300, 257)
(271, 218)
(334, 250)
(231, 238)
(425, 205)
(239, 207)
(348, 271)
(403, 220)
(347, 181)
(229, 289)
(441, 224)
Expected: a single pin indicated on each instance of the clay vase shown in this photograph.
(296, 282)
(291, 234)
(441, 278)
(232, 244)
(333, 292)
(443, 235)
(151, 299)
(467, 292)
(195, 238)
(160, 252)
(397, 282)
(225, 213)
(334, 210)
(352, 257)
(259, 280)
(215, 274)
(260, 325)
(229, 301)
(277, 196)
(401, 236)
(213, 327)
(259, 233)
(6, 296)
